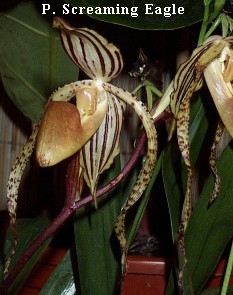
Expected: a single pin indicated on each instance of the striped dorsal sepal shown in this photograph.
(91, 52)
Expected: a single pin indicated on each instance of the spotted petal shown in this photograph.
(91, 52)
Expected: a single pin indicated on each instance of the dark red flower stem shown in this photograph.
(71, 205)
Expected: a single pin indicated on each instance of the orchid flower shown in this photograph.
(90, 126)
(213, 62)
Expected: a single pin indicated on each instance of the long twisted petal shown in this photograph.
(148, 165)
(13, 187)
(187, 80)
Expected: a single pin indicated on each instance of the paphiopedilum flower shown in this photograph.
(212, 62)
(92, 125)
(86, 116)
(65, 128)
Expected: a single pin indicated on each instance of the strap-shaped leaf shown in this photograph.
(91, 52)
(99, 152)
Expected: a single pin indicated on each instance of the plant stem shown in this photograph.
(67, 211)
(71, 205)
(204, 25)
(227, 273)
(212, 28)
(208, 18)
(33, 247)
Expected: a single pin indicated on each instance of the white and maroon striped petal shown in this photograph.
(91, 52)
(99, 152)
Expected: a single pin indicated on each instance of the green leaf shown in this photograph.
(96, 245)
(146, 18)
(27, 229)
(216, 291)
(212, 227)
(32, 60)
(62, 279)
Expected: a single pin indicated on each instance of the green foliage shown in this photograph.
(216, 291)
(97, 248)
(32, 64)
(211, 226)
(62, 279)
(27, 229)
(32, 60)
(193, 12)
